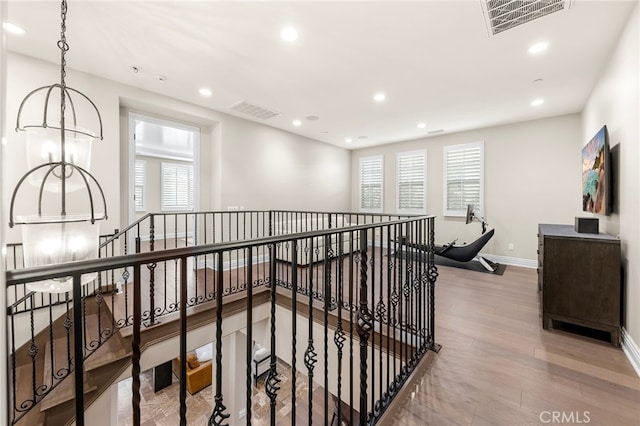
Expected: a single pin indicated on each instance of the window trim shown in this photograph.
(362, 160)
(400, 155)
(460, 147)
(187, 165)
(143, 207)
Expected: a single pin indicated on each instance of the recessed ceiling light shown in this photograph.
(362, 137)
(312, 117)
(348, 140)
(205, 91)
(297, 123)
(537, 80)
(537, 102)
(422, 125)
(12, 28)
(538, 48)
(289, 34)
(161, 78)
(379, 97)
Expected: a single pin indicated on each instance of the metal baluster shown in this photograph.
(249, 255)
(183, 341)
(327, 300)
(310, 356)
(294, 322)
(152, 275)
(411, 300)
(219, 416)
(382, 312)
(390, 265)
(433, 275)
(79, 349)
(11, 313)
(372, 363)
(402, 266)
(406, 287)
(271, 384)
(338, 337)
(364, 327)
(33, 353)
(351, 304)
(135, 344)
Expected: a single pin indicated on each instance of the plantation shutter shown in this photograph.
(139, 192)
(463, 178)
(411, 182)
(371, 184)
(177, 187)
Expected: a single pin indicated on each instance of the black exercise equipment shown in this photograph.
(468, 252)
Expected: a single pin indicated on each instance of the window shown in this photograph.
(164, 165)
(177, 186)
(140, 177)
(411, 177)
(371, 184)
(463, 178)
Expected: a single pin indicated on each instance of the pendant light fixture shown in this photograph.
(61, 225)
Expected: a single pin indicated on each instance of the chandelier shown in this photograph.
(56, 227)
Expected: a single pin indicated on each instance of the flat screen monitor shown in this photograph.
(469, 218)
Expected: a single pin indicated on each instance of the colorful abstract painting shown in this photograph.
(594, 174)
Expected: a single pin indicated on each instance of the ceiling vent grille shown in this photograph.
(253, 110)
(503, 15)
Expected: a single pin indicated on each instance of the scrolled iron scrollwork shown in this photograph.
(219, 416)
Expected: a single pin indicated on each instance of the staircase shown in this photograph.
(106, 357)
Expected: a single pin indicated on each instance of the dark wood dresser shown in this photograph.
(579, 277)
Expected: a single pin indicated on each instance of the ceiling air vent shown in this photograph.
(502, 15)
(253, 110)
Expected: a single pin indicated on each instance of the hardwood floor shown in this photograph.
(498, 366)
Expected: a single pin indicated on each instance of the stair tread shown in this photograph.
(24, 375)
(64, 392)
(113, 349)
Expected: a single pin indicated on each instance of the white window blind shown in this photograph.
(371, 184)
(140, 178)
(463, 178)
(177, 186)
(411, 177)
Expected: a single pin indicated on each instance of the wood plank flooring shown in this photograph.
(498, 366)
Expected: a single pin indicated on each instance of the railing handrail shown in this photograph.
(107, 263)
(147, 215)
(124, 231)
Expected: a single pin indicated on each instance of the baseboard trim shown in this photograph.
(233, 264)
(514, 261)
(631, 350)
(159, 237)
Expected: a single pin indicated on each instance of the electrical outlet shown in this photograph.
(511, 246)
(242, 413)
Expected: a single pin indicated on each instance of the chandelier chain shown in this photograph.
(64, 47)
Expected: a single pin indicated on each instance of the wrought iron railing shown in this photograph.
(360, 301)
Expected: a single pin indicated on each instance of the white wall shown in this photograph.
(615, 102)
(243, 163)
(3, 132)
(532, 175)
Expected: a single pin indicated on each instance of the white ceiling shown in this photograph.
(434, 60)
